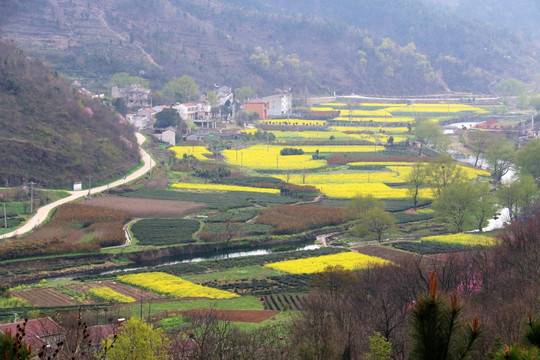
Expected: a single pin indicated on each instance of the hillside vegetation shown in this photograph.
(51, 134)
(391, 47)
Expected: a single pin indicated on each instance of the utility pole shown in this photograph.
(5, 216)
(89, 185)
(32, 196)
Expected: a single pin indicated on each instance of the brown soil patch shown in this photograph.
(411, 211)
(146, 207)
(383, 252)
(45, 296)
(248, 316)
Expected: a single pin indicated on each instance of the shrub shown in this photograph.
(291, 151)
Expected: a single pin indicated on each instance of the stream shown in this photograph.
(214, 257)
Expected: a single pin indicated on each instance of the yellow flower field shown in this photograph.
(462, 239)
(377, 137)
(107, 294)
(392, 130)
(300, 122)
(263, 157)
(249, 131)
(323, 135)
(380, 119)
(173, 286)
(333, 104)
(349, 260)
(351, 178)
(382, 105)
(223, 188)
(268, 157)
(378, 190)
(440, 108)
(196, 151)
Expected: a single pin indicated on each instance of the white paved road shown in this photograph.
(43, 212)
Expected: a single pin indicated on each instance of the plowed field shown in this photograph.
(145, 207)
(45, 296)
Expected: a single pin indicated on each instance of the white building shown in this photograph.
(280, 104)
(138, 121)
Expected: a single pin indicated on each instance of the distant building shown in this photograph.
(167, 135)
(138, 121)
(259, 106)
(148, 113)
(187, 111)
(134, 96)
(199, 114)
(279, 105)
(224, 93)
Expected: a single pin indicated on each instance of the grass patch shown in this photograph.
(239, 303)
(235, 199)
(246, 272)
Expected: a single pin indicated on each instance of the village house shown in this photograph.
(187, 111)
(38, 332)
(134, 95)
(259, 106)
(167, 135)
(138, 121)
(148, 113)
(200, 114)
(279, 105)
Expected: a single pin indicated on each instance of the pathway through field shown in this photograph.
(43, 212)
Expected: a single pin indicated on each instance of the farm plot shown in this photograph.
(287, 283)
(282, 302)
(235, 199)
(382, 252)
(136, 293)
(45, 296)
(173, 286)
(160, 232)
(349, 260)
(141, 207)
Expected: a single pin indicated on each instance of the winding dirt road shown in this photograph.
(43, 212)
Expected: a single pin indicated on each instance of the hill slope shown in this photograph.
(392, 47)
(51, 134)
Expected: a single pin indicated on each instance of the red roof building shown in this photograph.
(259, 106)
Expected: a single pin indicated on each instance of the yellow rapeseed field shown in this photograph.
(380, 119)
(388, 105)
(440, 108)
(249, 131)
(263, 157)
(196, 151)
(349, 260)
(292, 122)
(268, 157)
(173, 286)
(224, 188)
(462, 239)
(107, 294)
(321, 135)
(393, 130)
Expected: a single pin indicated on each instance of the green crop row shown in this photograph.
(159, 232)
